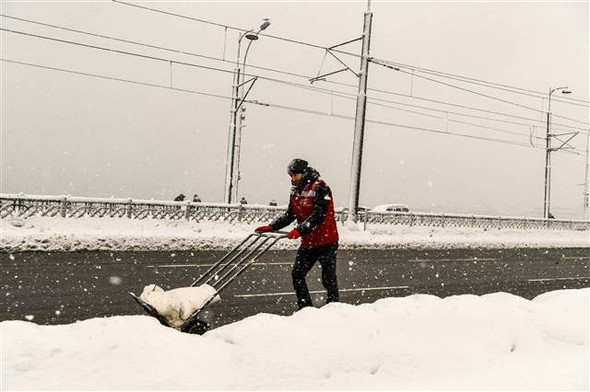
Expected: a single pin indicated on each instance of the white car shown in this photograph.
(391, 208)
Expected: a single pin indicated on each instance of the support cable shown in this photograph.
(474, 92)
(285, 107)
(280, 71)
(443, 74)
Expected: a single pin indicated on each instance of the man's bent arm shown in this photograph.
(283, 220)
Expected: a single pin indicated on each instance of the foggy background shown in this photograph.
(94, 131)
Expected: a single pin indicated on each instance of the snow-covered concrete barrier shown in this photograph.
(41, 233)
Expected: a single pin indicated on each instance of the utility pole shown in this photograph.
(548, 150)
(361, 106)
(359, 125)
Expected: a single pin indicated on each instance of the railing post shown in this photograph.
(129, 208)
(19, 205)
(187, 213)
(240, 212)
(63, 207)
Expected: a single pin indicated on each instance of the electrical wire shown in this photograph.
(350, 96)
(229, 27)
(516, 90)
(270, 105)
(456, 121)
(356, 55)
(405, 126)
(473, 92)
(278, 71)
(144, 56)
(46, 67)
(177, 51)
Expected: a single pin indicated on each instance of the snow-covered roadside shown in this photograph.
(59, 234)
(421, 342)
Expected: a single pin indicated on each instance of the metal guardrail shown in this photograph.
(76, 207)
(25, 206)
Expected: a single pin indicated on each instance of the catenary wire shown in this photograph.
(208, 67)
(278, 71)
(473, 92)
(444, 74)
(254, 102)
(516, 90)
(228, 27)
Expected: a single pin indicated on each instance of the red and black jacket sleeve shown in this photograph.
(283, 220)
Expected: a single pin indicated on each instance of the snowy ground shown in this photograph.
(58, 234)
(493, 342)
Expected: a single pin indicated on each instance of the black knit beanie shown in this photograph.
(297, 165)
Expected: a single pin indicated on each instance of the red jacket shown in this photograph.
(312, 205)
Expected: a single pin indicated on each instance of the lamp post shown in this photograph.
(232, 173)
(548, 150)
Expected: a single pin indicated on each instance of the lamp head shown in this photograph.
(563, 90)
(265, 24)
(252, 36)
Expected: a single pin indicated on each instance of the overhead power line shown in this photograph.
(472, 91)
(149, 57)
(230, 27)
(270, 105)
(172, 50)
(421, 129)
(440, 73)
(504, 87)
(88, 74)
(178, 51)
(306, 77)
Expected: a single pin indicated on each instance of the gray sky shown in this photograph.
(65, 133)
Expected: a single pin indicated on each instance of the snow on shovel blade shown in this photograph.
(174, 307)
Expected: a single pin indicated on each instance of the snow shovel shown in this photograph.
(214, 281)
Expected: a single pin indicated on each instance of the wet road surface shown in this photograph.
(59, 288)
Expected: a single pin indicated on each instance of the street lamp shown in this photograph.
(547, 199)
(232, 173)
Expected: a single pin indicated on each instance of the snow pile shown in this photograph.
(177, 305)
(491, 342)
(62, 234)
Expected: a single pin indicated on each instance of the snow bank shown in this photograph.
(491, 342)
(61, 234)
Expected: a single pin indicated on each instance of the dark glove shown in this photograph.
(294, 234)
(263, 229)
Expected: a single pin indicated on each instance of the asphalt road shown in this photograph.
(58, 288)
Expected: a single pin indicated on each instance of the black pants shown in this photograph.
(304, 261)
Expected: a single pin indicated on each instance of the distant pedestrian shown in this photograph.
(273, 203)
(243, 200)
(312, 205)
(196, 198)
